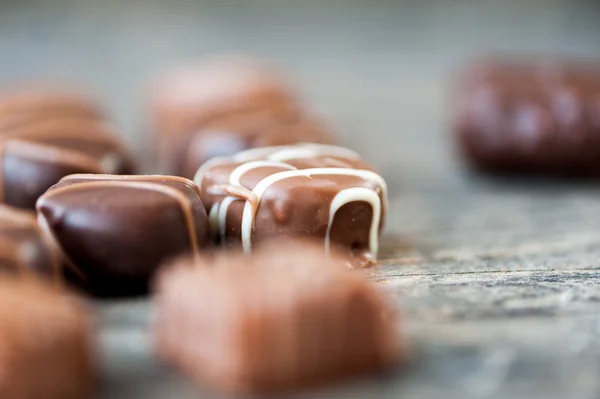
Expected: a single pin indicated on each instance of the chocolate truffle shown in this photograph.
(296, 192)
(24, 247)
(44, 342)
(286, 318)
(531, 116)
(37, 155)
(116, 230)
(187, 99)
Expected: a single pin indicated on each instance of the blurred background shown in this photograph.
(378, 70)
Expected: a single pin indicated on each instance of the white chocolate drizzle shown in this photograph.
(356, 194)
(222, 217)
(260, 189)
(276, 157)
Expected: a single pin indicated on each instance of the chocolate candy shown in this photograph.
(116, 230)
(531, 116)
(24, 247)
(24, 105)
(44, 342)
(45, 136)
(227, 136)
(285, 318)
(295, 192)
(186, 100)
(187, 97)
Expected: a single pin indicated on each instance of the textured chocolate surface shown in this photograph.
(45, 136)
(116, 230)
(286, 318)
(45, 343)
(296, 192)
(24, 247)
(531, 116)
(238, 93)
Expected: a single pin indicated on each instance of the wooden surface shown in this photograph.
(497, 281)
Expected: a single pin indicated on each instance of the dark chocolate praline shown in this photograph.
(116, 230)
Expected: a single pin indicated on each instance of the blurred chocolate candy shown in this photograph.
(45, 342)
(285, 318)
(187, 97)
(38, 155)
(227, 136)
(531, 116)
(23, 246)
(21, 105)
(116, 230)
(45, 136)
(224, 105)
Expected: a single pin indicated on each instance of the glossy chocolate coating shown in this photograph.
(286, 318)
(23, 246)
(531, 116)
(295, 192)
(189, 99)
(116, 230)
(45, 342)
(38, 154)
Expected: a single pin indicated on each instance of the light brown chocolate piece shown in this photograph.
(45, 342)
(286, 318)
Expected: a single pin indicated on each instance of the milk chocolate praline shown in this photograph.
(284, 319)
(116, 230)
(296, 192)
(45, 342)
(530, 116)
